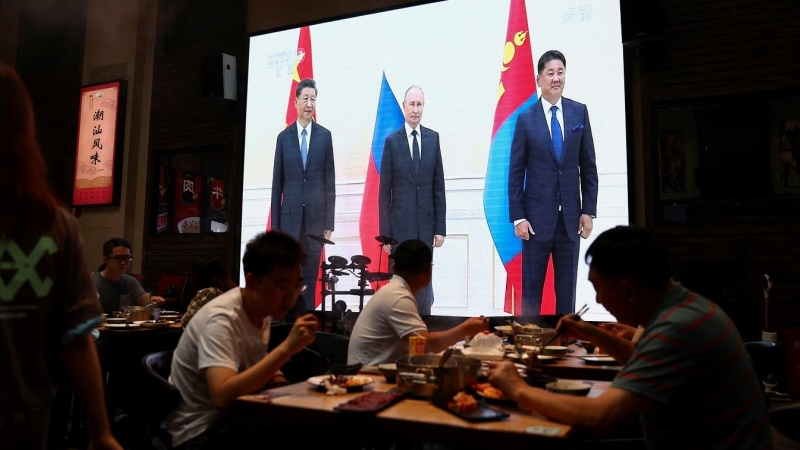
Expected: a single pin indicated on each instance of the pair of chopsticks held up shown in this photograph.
(578, 315)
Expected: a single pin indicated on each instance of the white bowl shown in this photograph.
(569, 387)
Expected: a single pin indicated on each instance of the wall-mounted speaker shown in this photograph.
(219, 76)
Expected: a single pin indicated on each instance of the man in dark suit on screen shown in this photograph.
(304, 183)
(552, 187)
(411, 199)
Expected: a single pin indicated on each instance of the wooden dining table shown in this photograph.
(412, 419)
(136, 332)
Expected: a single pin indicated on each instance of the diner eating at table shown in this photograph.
(688, 377)
(116, 288)
(382, 330)
(222, 354)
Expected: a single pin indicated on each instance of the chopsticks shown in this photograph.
(578, 315)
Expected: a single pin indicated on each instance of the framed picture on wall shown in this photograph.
(789, 153)
(98, 157)
(672, 161)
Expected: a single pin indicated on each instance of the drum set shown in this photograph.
(338, 266)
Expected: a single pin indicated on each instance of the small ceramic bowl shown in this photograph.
(555, 350)
(389, 371)
(342, 369)
(570, 387)
(588, 346)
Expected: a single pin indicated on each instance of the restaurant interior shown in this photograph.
(704, 120)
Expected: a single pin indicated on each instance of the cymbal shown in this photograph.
(386, 240)
(378, 276)
(360, 260)
(337, 261)
(320, 239)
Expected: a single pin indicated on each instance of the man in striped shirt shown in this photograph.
(688, 378)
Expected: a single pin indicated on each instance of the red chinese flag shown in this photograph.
(303, 68)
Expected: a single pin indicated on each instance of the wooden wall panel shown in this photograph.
(725, 47)
(182, 119)
(716, 48)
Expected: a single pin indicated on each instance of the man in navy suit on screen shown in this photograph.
(411, 199)
(304, 183)
(552, 187)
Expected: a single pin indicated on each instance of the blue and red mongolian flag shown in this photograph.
(515, 93)
(388, 120)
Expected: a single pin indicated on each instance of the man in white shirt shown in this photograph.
(223, 354)
(382, 329)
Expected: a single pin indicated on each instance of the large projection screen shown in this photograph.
(455, 51)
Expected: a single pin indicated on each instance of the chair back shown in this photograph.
(333, 346)
(172, 287)
(160, 393)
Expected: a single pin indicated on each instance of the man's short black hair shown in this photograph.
(270, 249)
(630, 252)
(549, 56)
(111, 244)
(305, 83)
(412, 257)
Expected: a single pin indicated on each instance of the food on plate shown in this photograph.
(463, 403)
(346, 382)
(489, 391)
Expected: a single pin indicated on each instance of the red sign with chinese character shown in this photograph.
(98, 155)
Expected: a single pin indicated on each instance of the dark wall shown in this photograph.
(184, 120)
(51, 40)
(739, 49)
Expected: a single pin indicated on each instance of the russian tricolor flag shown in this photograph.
(388, 119)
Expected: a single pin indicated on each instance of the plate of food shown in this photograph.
(468, 408)
(189, 225)
(371, 402)
(160, 323)
(600, 360)
(351, 383)
(491, 394)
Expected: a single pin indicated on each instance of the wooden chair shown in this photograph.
(161, 396)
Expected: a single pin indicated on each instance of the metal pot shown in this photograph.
(421, 376)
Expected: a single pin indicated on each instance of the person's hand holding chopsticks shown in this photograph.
(576, 326)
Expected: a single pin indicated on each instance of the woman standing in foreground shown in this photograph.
(48, 304)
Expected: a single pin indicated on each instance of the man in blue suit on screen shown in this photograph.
(411, 199)
(304, 183)
(552, 187)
